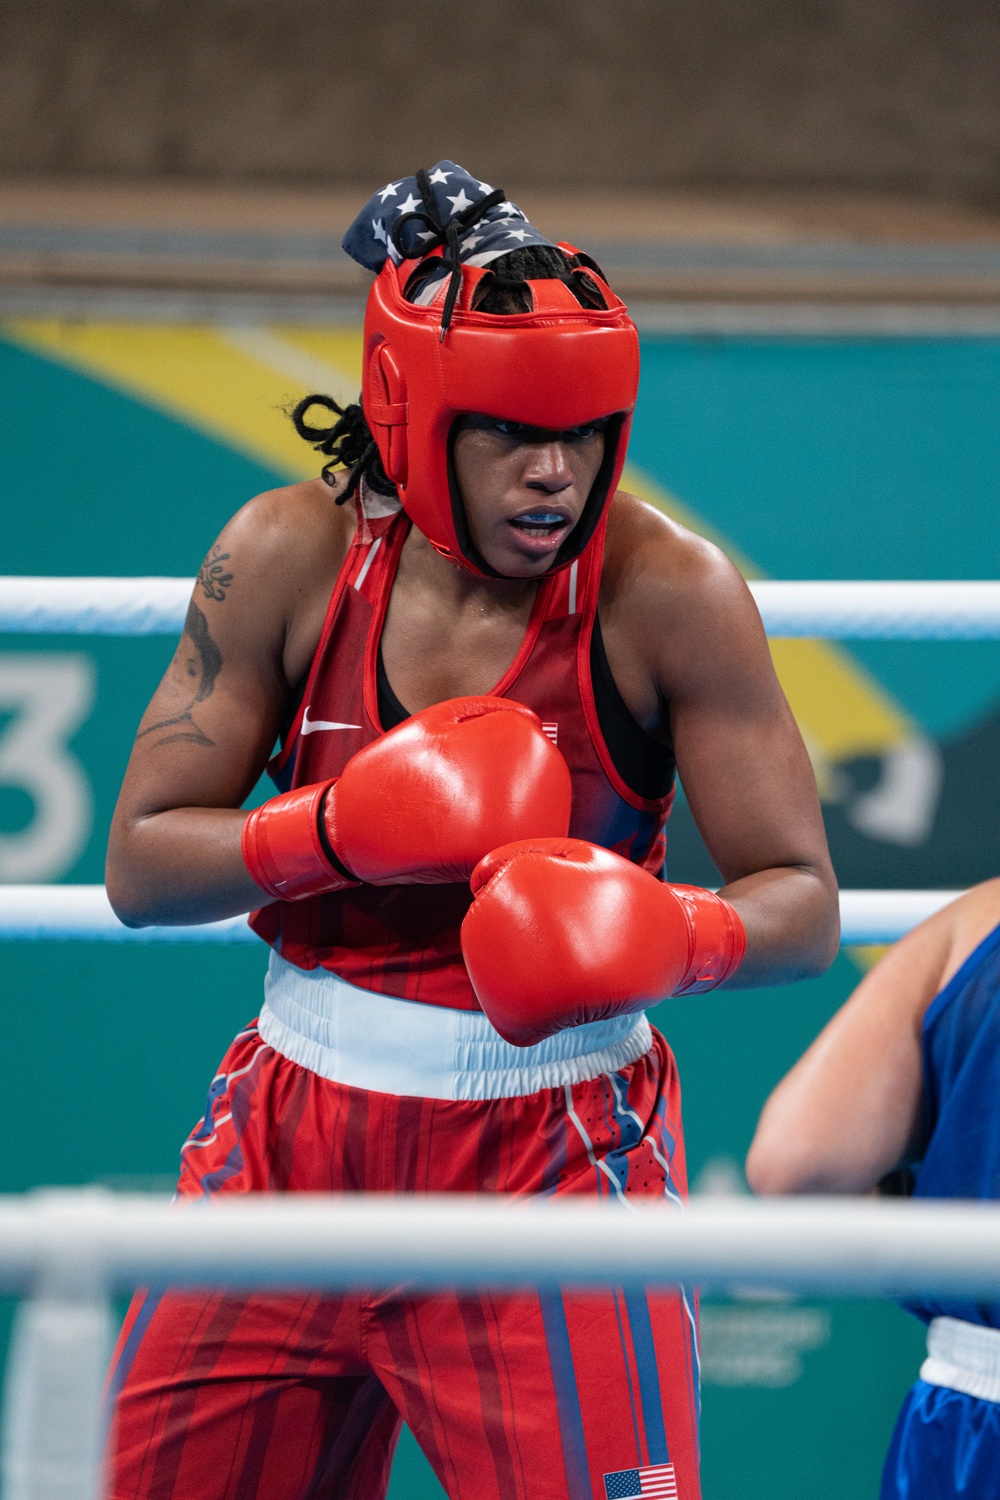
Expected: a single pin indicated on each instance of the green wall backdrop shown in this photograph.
(813, 458)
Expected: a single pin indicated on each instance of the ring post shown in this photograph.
(52, 1432)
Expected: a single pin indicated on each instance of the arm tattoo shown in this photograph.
(203, 667)
(212, 574)
(196, 626)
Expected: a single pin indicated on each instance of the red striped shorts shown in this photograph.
(266, 1396)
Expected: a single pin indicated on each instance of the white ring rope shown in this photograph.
(68, 1251)
(852, 1247)
(886, 916)
(913, 611)
(881, 611)
(94, 606)
(82, 913)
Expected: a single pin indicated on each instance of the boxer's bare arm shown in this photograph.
(682, 622)
(251, 631)
(849, 1110)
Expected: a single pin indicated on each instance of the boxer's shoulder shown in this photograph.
(648, 549)
(296, 528)
(669, 584)
(928, 957)
(968, 921)
(266, 581)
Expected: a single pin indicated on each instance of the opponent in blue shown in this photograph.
(904, 1085)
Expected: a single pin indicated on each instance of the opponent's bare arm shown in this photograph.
(252, 627)
(698, 642)
(849, 1111)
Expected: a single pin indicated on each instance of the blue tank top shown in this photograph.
(960, 1043)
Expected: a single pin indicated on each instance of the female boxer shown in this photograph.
(484, 665)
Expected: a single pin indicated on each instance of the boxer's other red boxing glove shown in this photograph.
(562, 932)
(421, 805)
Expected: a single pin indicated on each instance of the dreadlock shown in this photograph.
(506, 290)
(348, 441)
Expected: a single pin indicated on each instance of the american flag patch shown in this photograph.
(657, 1480)
(552, 730)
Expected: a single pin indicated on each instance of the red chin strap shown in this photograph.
(557, 367)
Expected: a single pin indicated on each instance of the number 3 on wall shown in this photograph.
(49, 696)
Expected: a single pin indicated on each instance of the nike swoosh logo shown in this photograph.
(310, 726)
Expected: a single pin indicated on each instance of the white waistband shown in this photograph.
(390, 1046)
(964, 1357)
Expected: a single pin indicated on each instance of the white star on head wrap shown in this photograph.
(460, 201)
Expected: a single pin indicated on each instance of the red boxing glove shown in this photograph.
(562, 932)
(421, 805)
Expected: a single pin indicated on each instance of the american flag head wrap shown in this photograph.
(446, 207)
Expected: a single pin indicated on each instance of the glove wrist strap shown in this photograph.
(285, 848)
(717, 939)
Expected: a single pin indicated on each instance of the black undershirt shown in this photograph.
(645, 766)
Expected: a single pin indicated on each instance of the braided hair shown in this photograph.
(348, 443)
(347, 440)
(506, 290)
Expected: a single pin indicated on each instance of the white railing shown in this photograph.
(883, 611)
(94, 606)
(890, 610)
(65, 1253)
(87, 1241)
(82, 913)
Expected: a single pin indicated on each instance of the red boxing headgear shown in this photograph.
(557, 367)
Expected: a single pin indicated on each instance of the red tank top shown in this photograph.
(404, 940)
